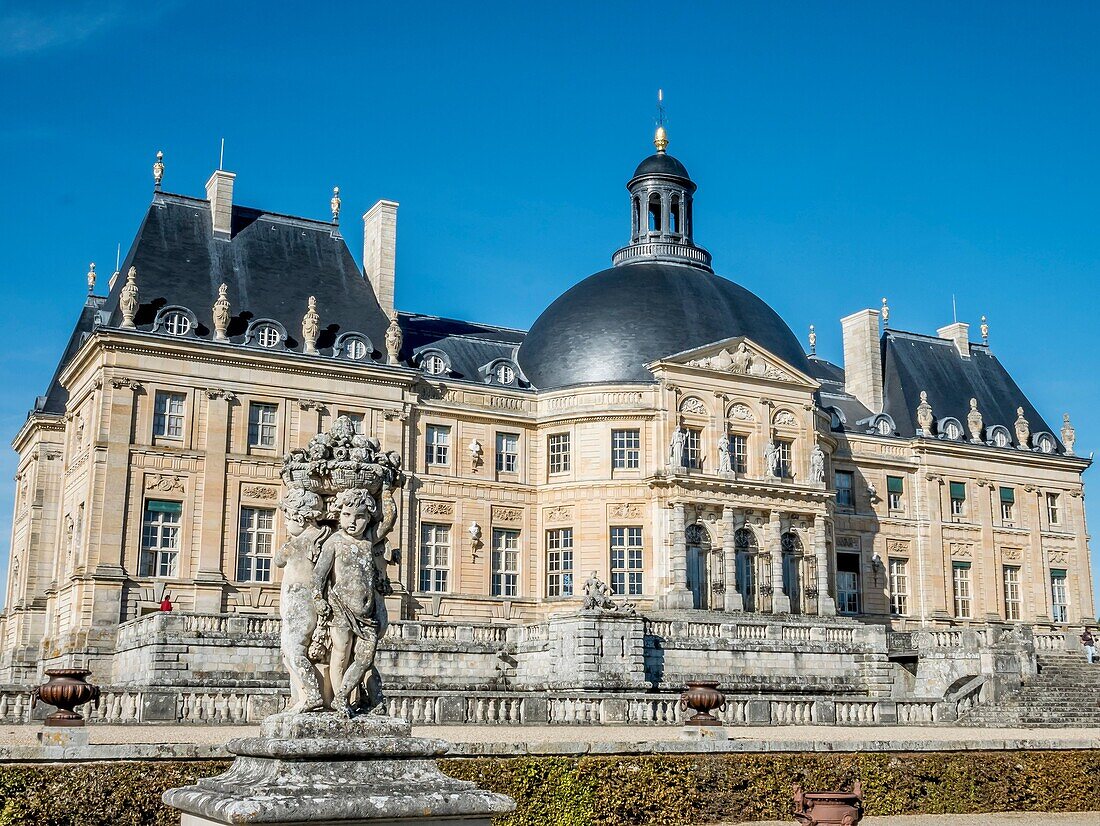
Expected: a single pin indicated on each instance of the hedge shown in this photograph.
(671, 790)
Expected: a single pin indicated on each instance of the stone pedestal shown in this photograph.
(325, 770)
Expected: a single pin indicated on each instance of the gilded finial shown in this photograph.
(335, 204)
(660, 137)
(158, 170)
(91, 278)
(885, 313)
(985, 331)
(813, 341)
(128, 299)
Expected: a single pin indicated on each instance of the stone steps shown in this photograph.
(1065, 692)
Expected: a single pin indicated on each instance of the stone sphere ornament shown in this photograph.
(66, 689)
(702, 698)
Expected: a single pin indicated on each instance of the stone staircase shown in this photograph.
(1064, 694)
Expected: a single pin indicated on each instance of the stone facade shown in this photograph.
(518, 495)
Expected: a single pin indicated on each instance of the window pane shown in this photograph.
(558, 452)
(435, 553)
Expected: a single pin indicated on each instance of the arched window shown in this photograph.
(951, 429)
(1000, 436)
(1045, 443)
(434, 364)
(505, 374)
(267, 335)
(636, 215)
(175, 321)
(655, 212)
(674, 215)
(177, 324)
(265, 332)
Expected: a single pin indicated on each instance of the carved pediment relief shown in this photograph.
(739, 356)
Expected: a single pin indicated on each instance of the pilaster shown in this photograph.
(209, 571)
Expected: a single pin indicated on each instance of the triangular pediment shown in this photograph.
(738, 356)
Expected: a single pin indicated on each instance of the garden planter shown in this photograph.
(828, 808)
(66, 689)
(702, 698)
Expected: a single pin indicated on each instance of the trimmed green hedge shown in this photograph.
(670, 790)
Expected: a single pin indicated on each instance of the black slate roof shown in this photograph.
(468, 346)
(661, 163)
(832, 394)
(271, 265)
(609, 326)
(913, 362)
(56, 396)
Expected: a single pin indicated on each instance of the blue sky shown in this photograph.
(844, 151)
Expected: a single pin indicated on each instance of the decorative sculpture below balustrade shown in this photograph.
(340, 506)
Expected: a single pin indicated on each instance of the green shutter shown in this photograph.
(958, 490)
(164, 507)
(1008, 495)
(895, 484)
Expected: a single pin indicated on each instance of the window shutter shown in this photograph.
(958, 490)
(164, 507)
(1008, 495)
(895, 484)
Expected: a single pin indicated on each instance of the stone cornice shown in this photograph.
(48, 422)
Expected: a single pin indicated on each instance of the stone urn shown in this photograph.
(829, 808)
(67, 688)
(702, 698)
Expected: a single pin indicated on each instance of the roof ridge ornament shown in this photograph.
(660, 137)
(885, 313)
(128, 299)
(813, 341)
(985, 331)
(394, 339)
(925, 418)
(91, 278)
(311, 327)
(975, 422)
(221, 314)
(334, 204)
(158, 170)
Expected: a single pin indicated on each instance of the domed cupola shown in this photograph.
(661, 222)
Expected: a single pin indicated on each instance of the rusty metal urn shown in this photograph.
(829, 808)
(67, 688)
(702, 698)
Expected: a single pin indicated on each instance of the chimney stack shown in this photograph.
(219, 192)
(959, 332)
(863, 358)
(380, 251)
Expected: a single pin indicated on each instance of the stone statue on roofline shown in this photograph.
(340, 506)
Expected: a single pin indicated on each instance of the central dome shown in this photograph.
(609, 326)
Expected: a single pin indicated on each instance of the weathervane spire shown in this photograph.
(660, 137)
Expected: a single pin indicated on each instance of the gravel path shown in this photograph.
(993, 819)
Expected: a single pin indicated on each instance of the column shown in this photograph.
(678, 595)
(826, 604)
(212, 539)
(781, 603)
(731, 521)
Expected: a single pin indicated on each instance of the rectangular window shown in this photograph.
(844, 481)
(693, 453)
(557, 448)
(626, 449)
(505, 563)
(435, 557)
(437, 445)
(784, 447)
(559, 562)
(899, 587)
(847, 583)
(895, 490)
(255, 542)
(168, 415)
(507, 452)
(626, 561)
(261, 424)
(1058, 600)
(960, 578)
(958, 498)
(1008, 501)
(739, 453)
(160, 538)
(1054, 509)
(358, 421)
(1012, 592)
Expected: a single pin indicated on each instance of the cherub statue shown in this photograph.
(302, 604)
(347, 560)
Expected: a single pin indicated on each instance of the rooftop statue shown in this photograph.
(340, 507)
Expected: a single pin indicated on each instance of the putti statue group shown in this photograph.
(340, 506)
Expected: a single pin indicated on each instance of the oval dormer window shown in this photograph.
(177, 323)
(953, 431)
(505, 374)
(884, 427)
(1001, 438)
(267, 335)
(1046, 443)
(434, 365)
(357, 349)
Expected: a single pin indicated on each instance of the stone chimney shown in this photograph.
(219, 192)
(380, 251)
(863, 358)
(959, 333)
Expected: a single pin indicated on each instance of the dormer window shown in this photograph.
(267, 335)
(884, 425)
(951, 429)
(434, 364)
(836, 419)
(1001, 437)
(177, 324)
(1045, 443)
(505, 374)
